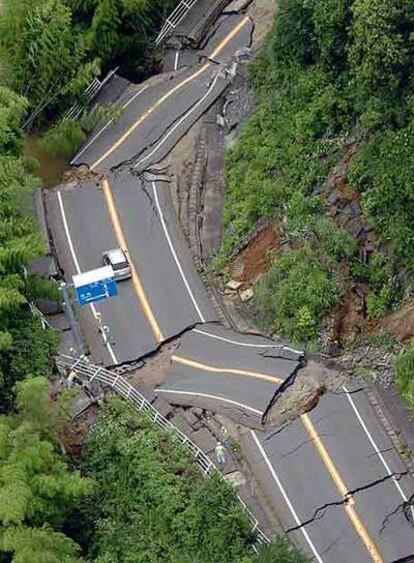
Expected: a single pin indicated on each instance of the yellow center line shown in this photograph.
(138, 287)
(343, 489)
(320, 447)
(213, 369)
(168, 94)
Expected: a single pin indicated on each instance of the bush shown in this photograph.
(64, 138)
(29, 353)
(38, 493)
(405, 376)
(383, 172)
(295, 293)
(152, 503)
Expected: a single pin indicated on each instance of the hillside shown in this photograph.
(327, 159)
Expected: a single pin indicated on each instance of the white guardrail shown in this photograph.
(175, 19)
(85, 370)
(90, 93)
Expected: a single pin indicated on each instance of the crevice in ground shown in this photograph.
(406, 507)
(175, 338)
(320, 512)
(288, 382)
(301, 392)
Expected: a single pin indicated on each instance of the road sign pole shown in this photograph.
(70, 314)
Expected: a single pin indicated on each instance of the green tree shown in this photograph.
(38, 545)
(37, 492)
(332, 19)
(379, 56)
(43, 55)
(383, 171)
(293, 38)
(12, 107)
(158, 508)
(25, 349)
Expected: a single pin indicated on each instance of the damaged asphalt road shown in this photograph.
(161, 113)
(316, 510)
(327, 465)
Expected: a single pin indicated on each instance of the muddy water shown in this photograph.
(50, 168)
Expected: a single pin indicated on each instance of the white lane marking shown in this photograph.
(179, 122)
(170, 244)
(177, 54)
(377, 450)
(208, 396)
(78, 270)
(99, 133)
(247, 344)
(69, 238)
(284, 494)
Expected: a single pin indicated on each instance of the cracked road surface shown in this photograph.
(373, 477)
(332, 473)
(150, 113)
(212, 362)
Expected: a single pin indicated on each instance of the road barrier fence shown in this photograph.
(90, 372)
(90, 93)
(174, 19)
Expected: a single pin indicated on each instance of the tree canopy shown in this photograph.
(51, 49)
(159, 508)
(25, 349)
(38, 494)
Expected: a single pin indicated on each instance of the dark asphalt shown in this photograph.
(310, 488)
(224, 354)
(220, 31)
(150, 252)
(240, 396)
(159, 252)
(162, 106)
(352, 452)
(92, 234)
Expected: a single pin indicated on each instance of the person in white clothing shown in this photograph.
(220, 453)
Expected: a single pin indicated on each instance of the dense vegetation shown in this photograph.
(136, 496)
(51, 49)
(331, 70)
(405, 376)
(38, 494)
(25, 348)
(151, 503)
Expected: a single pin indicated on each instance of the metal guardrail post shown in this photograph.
(175, 19)
(203, 462)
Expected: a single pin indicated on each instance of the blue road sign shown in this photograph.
(95, 285)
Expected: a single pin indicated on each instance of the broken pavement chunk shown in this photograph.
(234, 285)
(246, 295)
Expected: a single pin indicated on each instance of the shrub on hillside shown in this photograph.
(294, 294)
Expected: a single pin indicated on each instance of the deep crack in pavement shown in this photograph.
(321, 511)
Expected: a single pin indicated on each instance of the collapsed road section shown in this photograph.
(328, 468)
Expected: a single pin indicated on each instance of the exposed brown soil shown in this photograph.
(399, 324)
(74, 436)
(154, 371)
(261, 12)
(310, 384)
(79, 174)
(343, 205)
(255, 259)
(349, 317)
